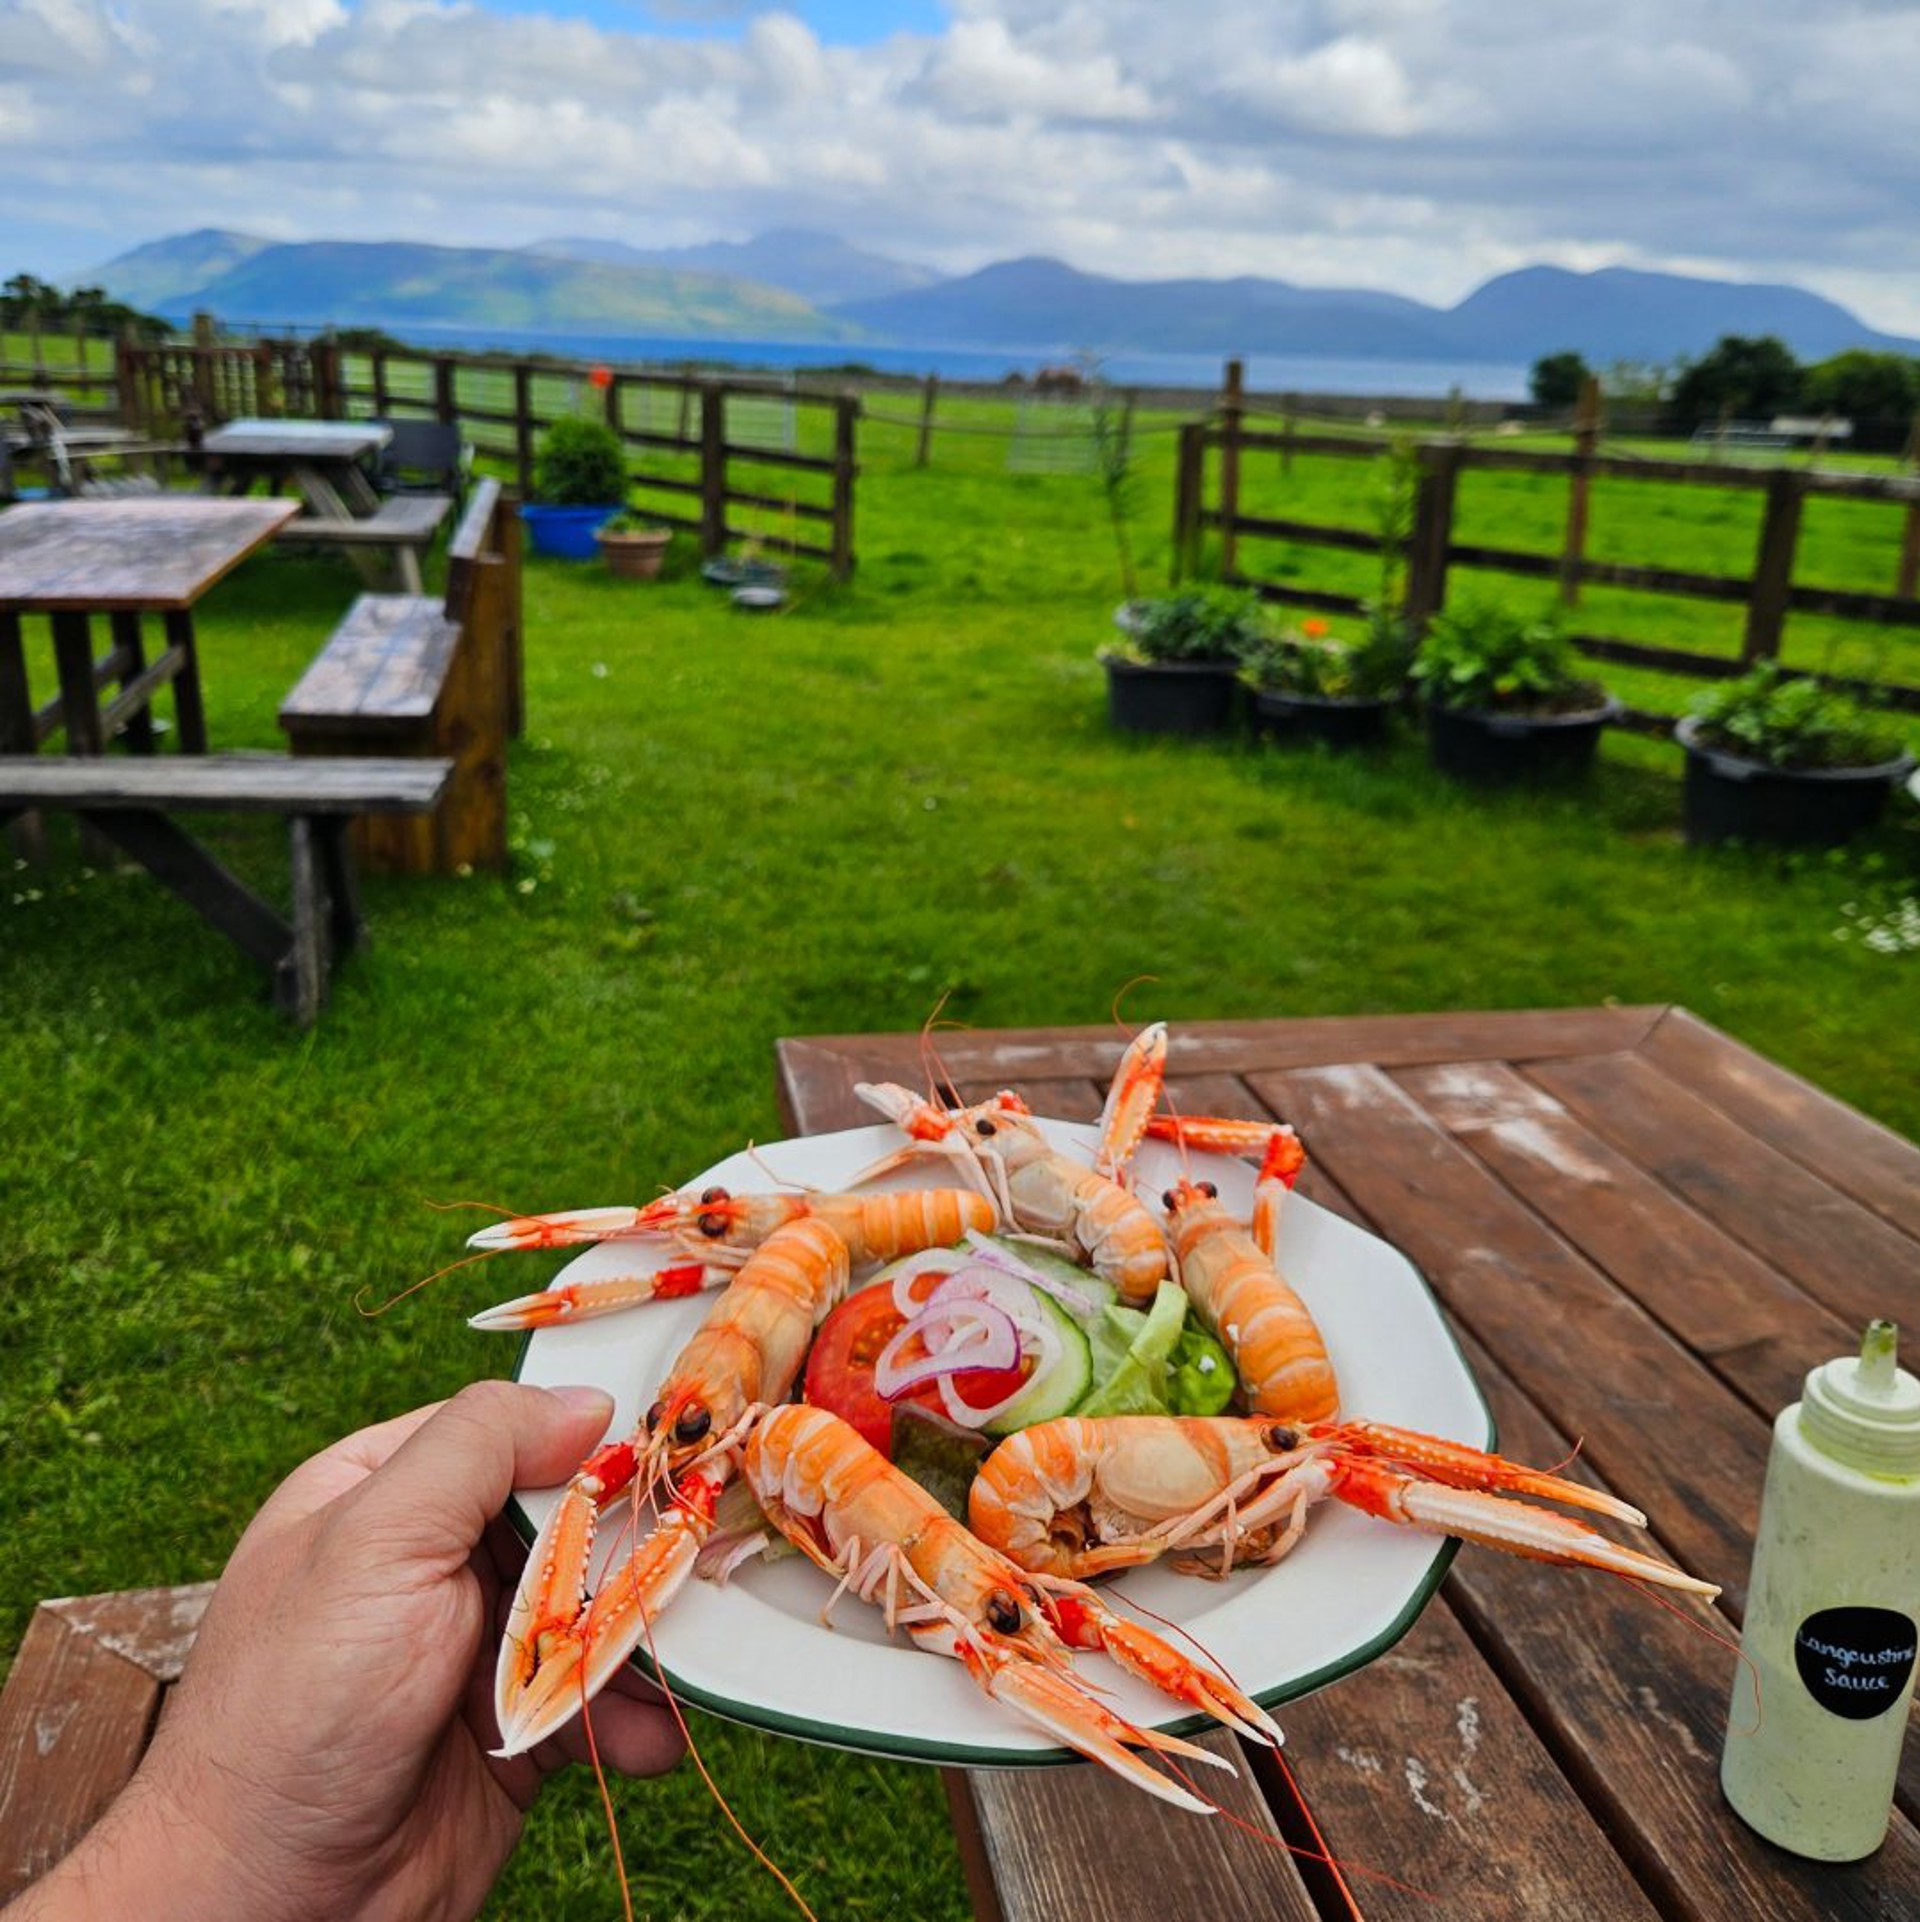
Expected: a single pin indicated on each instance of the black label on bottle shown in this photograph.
(1855, 1661)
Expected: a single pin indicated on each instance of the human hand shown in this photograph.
(326, 1752)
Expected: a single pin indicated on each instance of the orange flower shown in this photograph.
(600, 376)
(1314, 630)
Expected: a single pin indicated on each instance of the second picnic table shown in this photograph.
(321, 459)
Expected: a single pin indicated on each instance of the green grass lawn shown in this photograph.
(728, 829)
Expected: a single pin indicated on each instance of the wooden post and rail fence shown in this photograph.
(702, 465)
(1208, 501)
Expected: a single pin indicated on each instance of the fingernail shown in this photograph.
(585, 1401)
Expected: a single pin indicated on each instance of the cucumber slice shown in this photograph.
(1083, 1281)
(1055, 1390)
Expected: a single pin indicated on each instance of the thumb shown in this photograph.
(449, 1478)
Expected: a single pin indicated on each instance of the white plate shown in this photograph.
(755, 1650)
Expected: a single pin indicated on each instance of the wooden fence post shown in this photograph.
(1230, 416)
(1189, 479)
(713, 470)
(1906, 579)
(33, 342)
(446, 407)
(1773, 566)
(615, 411)
(1586, 439)
(846, 413)
(203, 391)
(382, 400)
(1427, 551)
(523, 427)
(126, 382)
(928, 395)
(265, 398)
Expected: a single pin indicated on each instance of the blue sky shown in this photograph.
(1418, 146)
(840, 23)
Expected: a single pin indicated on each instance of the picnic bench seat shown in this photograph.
(412, 675)
(131, 800)
(402, 528)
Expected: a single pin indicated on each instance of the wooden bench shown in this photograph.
(78, 1710)
(399, 532)
(132, 800)
(408, 675)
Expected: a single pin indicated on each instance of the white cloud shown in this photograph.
(1416, 144)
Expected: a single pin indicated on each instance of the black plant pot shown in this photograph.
(1306, 717)
(1170, 697)
(1475, 745)
(1730, 799)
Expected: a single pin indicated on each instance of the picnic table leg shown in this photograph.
(188, 709)
(80, 710)
(335, 852)
(131, 649)
(79, 697)
(300, 980)
(27, 833)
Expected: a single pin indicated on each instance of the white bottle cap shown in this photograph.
(1866, 1411)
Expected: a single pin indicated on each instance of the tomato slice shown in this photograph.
(840, 1367)
(839, 1373)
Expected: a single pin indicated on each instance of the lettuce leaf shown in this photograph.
(1131, 1355)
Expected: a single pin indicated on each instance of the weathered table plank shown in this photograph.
(144, 555)
(1837, 1143)
(1839, 1251)
(1751, 1325)
(78, 1708)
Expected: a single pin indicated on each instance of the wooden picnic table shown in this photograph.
(74, 560)
(1644, 1234)
(321, 459)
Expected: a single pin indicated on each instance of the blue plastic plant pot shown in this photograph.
(566, 533)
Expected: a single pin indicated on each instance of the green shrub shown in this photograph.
(1484, 657)
(1305, 662)
(1785, 723)
(1203, 624)
(580, 464)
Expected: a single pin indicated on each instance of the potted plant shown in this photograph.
(1789, 761)
(579, 481)
(1506, 700)
(1177, 669)
(1308, 687)
(632, 546)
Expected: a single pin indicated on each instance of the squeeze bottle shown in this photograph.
(1830, 1625)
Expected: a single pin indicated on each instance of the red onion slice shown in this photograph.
(998, 1259)
(936, 1261)
(963, 1334)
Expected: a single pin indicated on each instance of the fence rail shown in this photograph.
(1207, 500)
(726, 451)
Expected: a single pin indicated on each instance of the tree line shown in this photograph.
(1757, 378)
(27, 301)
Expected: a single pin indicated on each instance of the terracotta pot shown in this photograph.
(636, 556)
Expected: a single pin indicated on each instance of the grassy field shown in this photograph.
(728, 829)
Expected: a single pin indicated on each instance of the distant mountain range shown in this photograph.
(817, 267)
(791, 285)
(394, 283)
